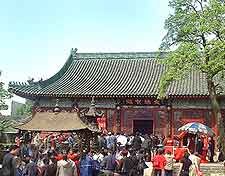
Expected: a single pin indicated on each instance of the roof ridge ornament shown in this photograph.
(74, 52)
(30, 81)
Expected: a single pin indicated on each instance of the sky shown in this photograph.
(36, 36)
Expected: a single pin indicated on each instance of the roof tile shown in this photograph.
(111, 74)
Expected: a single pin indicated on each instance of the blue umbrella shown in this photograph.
(195, 128)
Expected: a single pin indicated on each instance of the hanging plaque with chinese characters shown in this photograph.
(143, 102)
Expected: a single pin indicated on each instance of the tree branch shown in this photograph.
(193, 7)
(203, 40)
(200, 3)
(217, 33)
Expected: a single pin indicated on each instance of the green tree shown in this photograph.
(25, 110)
(4, 95)
(195, 41)
(5, 123)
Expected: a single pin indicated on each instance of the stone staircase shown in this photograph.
(209, 169)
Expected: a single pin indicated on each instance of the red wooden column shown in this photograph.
(171, 120)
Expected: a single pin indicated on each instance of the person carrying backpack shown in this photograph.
(159, 163)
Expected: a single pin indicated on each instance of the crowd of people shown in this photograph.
(116, 154)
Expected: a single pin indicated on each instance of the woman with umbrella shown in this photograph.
(198, 128)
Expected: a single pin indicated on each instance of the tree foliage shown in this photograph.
(195, 41)
(4, 95)
(5, 123)
(25, 110)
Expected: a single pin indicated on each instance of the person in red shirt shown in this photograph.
(61, 138)
(159, 162)
(59, 156)
(204, 150)
(52, 141)
(168, 143)
(74, 156)
(179, 153)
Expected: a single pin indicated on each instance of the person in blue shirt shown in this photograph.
(86, 164)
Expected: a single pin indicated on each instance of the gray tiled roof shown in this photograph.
(113, 75)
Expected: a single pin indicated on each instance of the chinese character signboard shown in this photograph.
(144, 102)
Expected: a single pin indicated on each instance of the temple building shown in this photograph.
(124, 86)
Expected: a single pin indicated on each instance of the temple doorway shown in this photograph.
(143, 126)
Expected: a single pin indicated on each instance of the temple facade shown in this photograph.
(125, 87)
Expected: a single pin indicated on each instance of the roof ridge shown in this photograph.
(119, 55)
(122, 52)
(117, 59)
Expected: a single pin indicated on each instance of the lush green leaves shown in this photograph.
(25, 110)
(4, 95)
(196, 30)
(4, 124)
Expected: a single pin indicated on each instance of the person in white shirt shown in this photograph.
(169, 164)
(195, 167)
(122, 139)
(66, 167)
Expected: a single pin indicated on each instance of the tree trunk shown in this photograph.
(217, 114)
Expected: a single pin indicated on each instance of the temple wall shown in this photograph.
(165, 121)
(99, 103)
(111, 103)
(192, 110)
(193, 103)
(181, 117)
(82, 103)
(51, 102)
(159, 117)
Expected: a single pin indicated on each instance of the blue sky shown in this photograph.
(36, 36)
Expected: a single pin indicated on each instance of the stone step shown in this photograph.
(209, 169)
